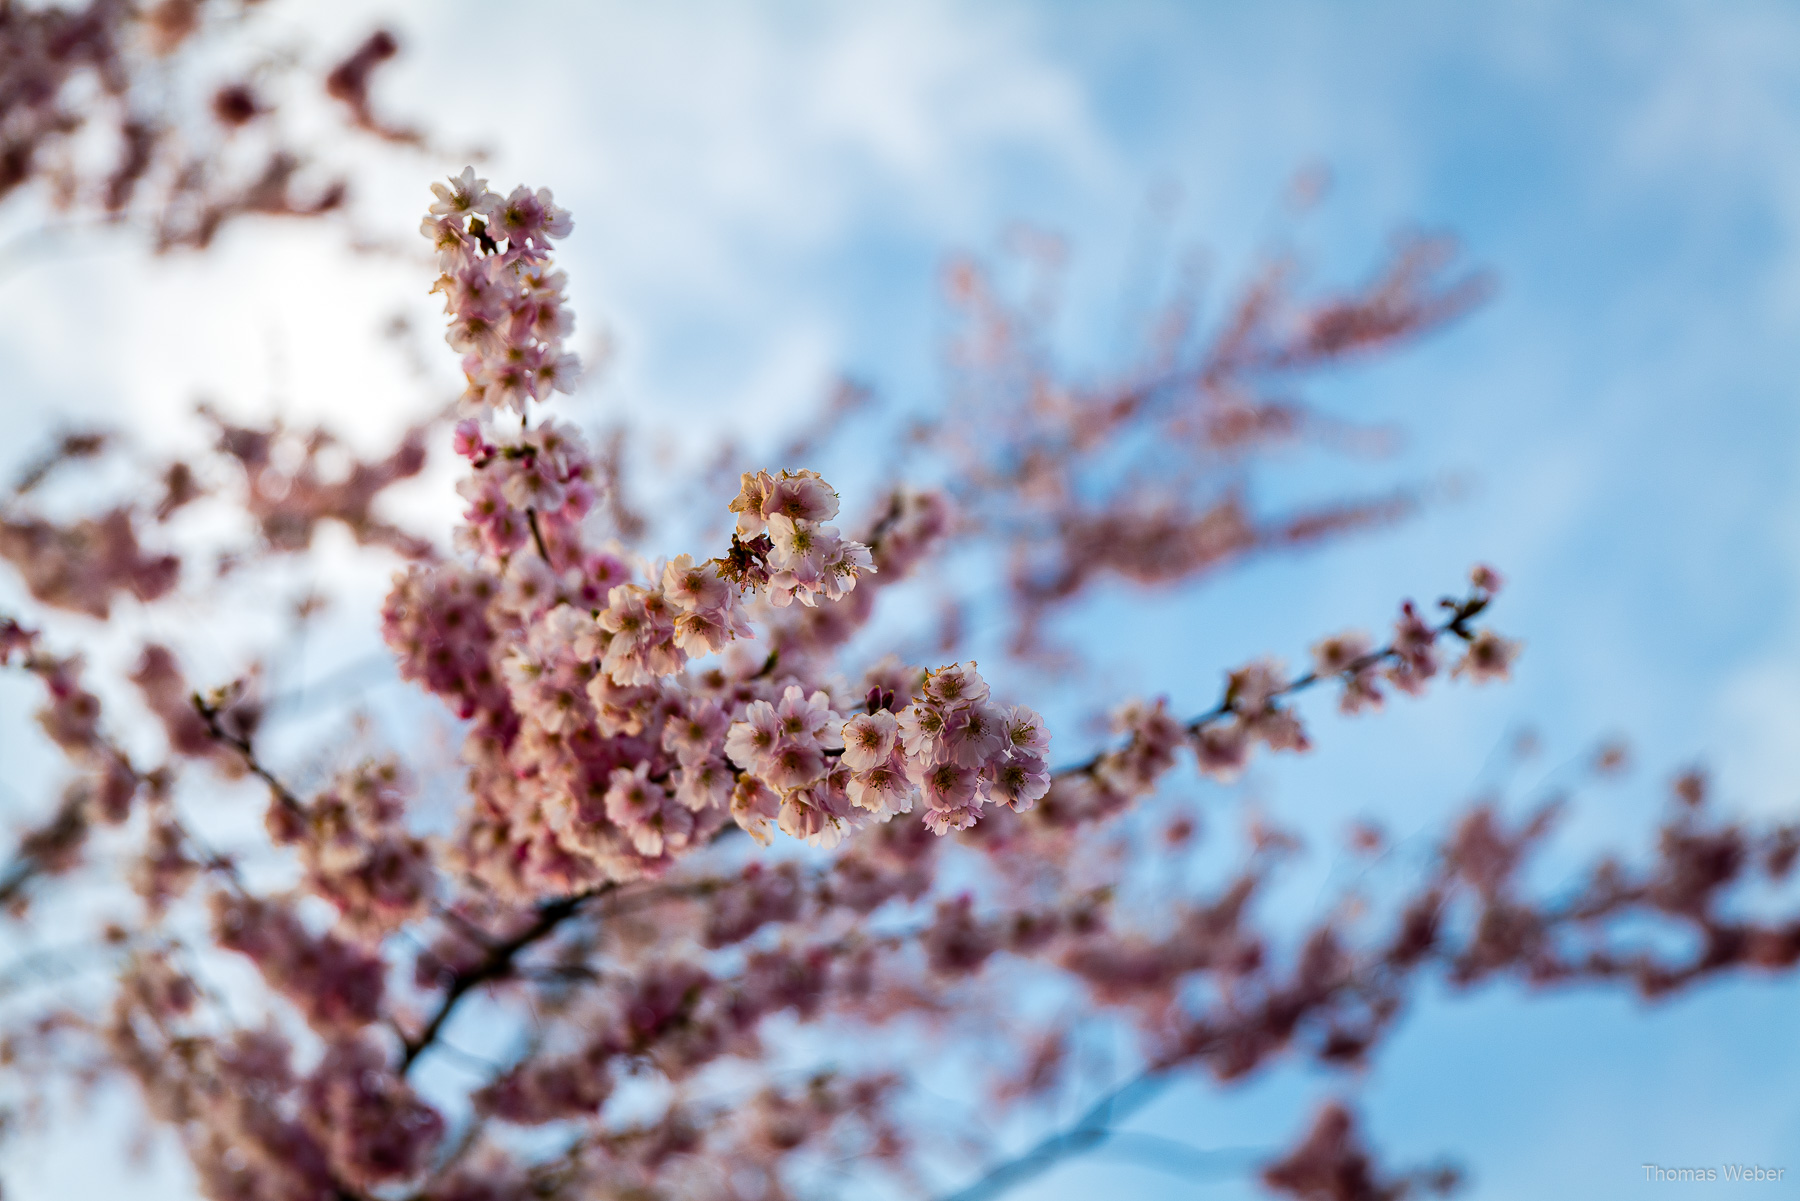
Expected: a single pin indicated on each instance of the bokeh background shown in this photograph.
(764, 198)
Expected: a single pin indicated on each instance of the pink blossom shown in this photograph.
(449, 237)
(1486, 579)
(755, 807)
(753, 493)
(809, 718)
(751, 741)
(1024, 732)
(869, 739)
(1279, 730)
(949, 785)
(556, 373)
(644, 809)
(793, 764)
(955, 685)
(941, 821)
(469, 441)
(702, 783)
(528, 587)
(1335, 654)
(973, 734)
(844, 565)
(1415, 652)
(694, 731)
(882, 788)
(801, 547)
(692, 586)
(819, 816)
(922, 730)
(799, 497)
(1223, 749)
(1019, 782)
(1253, 686)
(535, 484)
(530, 218)
(704, 631)
(1489, 657)
(1362, 691)
(463, 196)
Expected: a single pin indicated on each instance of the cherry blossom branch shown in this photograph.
(1242, 698)
(72, 719)
(500, 958)
(497, 964)
(211, 714)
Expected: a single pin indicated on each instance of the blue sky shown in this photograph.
(763, 198)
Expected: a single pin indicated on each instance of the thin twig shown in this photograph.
(1461, 612)
(242, 745)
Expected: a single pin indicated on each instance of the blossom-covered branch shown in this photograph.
(640, 965)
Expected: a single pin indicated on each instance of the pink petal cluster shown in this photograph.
(787, 748)
(373, 1127)
(83, 565)
(598, 752)
(335, 984)
(958, 749)
(507, 311)
(357, 852)
(809, 559)
(534, 484)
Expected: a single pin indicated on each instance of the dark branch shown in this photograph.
(497, 964)
(237, 742)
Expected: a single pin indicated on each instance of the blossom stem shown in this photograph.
(537, 535)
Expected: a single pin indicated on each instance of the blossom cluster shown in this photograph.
(507, 312)
(83, 566)
(825, 776)
(357, 852)
(958, 748)
(528, 484)
(807, 559)
(335, 983)
(599, 751)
